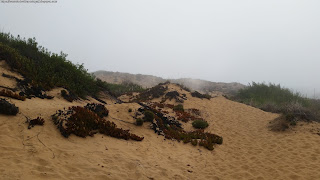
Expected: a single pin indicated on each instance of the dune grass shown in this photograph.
(276, 99)
(260, 94)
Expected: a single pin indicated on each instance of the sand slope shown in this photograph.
(249, 150)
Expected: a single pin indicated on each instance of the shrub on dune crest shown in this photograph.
(48, 70)
(276, 99)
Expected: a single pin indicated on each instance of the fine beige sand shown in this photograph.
(249, 150)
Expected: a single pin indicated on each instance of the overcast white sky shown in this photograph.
(218, 40)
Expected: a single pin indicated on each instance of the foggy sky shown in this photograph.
(218, 40)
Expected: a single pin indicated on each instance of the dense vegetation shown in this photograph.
(274, 98)
(171, 128)
(119, 89)
(260, 94)
(87, 121)
(47, 70)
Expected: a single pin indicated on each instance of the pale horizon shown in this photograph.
(219, 41)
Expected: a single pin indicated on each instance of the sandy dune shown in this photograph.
(249, 149)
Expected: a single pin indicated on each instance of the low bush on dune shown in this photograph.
(171, 128)
(148, 116)
(28, 90)
(200, 124)
(276, 99)
(184, 116)
(8, 93)
(33, 122)
(201, 96)
(83, 122)
(99, 109)
(178, 107)
(174, 95)
(8, 108)
(69, 96)
(119, 89)
(154, 92)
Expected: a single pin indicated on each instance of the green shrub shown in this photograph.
(44, 68)
(199, 95)
(118, 89)
(129, 110)
(148, 116)
(261, 94)
(139, 122)
(154, 92)
(49, 70)
(276, 99)
(178, 107)
(200, 124)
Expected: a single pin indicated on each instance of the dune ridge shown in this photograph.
(249, 150)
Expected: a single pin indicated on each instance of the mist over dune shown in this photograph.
(152, 90)
(148, 81)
